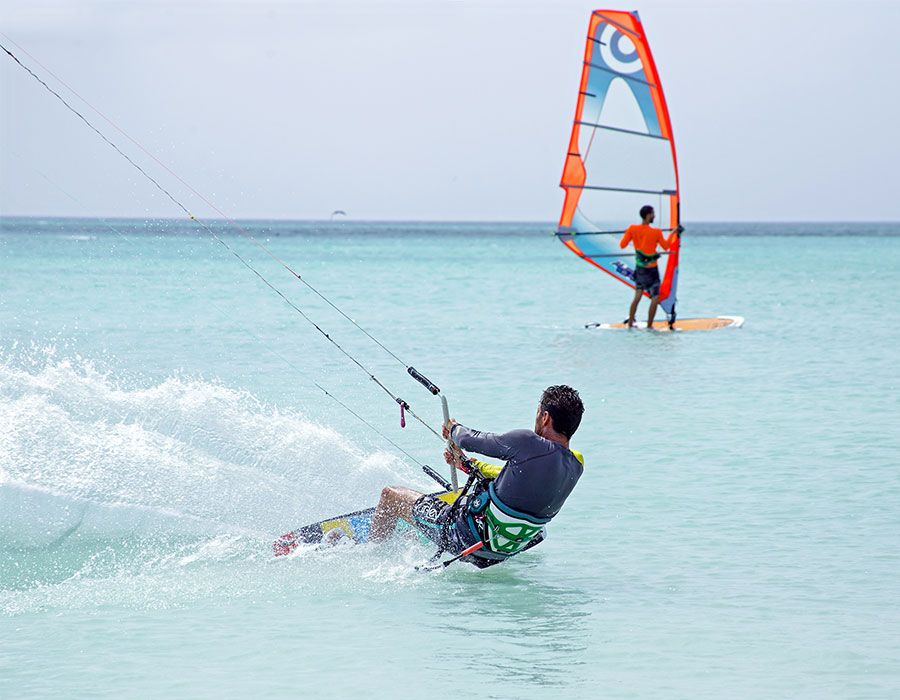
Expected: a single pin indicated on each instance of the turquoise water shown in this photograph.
(735, 533)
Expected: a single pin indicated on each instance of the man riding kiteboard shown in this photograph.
(505, 508)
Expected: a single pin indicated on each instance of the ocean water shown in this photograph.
(163, 417)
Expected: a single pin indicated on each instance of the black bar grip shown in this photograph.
(423, 380)
(437, 477)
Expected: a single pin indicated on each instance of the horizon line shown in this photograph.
(349, 220)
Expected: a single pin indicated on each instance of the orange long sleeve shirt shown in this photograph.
(645, 239)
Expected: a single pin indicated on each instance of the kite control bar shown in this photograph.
(432, 387)
(446, 410)
(437, 477)
(423, 380)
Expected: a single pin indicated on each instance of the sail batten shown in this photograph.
(621, 153)
(624, 131)
(625, 76)
(614, 255)
(617, 189)
(623, 27)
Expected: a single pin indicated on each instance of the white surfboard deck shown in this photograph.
(681, 324)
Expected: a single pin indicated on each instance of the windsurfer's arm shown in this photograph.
(676, 233)
(665, 243)
(626, 239)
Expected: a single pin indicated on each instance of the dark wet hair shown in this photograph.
(646, 209)
(565, 408)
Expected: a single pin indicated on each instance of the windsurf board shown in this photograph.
(681, 324)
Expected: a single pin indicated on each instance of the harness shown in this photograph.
(643, 260)
(504, 530)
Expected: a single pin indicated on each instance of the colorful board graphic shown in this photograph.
(354, 525)
(621, 152)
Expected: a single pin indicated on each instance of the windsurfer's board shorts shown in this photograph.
(647, 279)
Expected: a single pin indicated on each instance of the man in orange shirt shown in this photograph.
(646, 273)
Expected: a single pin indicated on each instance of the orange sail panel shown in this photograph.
(621, 153)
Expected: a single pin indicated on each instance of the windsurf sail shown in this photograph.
(621, 153)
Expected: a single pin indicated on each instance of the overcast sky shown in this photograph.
(437, 109)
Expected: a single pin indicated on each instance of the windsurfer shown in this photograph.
(646, 273)
(513, 502)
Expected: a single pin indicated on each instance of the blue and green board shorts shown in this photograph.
(431, 515)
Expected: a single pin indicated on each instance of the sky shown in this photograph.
(453, 110)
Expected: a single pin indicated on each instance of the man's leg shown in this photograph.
(634, 305)
(653, 302)
(396, 502)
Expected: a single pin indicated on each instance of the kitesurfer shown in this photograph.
(646, 273)
(512, 503)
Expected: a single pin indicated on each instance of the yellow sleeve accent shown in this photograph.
(489, 470)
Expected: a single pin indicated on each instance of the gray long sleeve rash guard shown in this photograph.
(539, 474)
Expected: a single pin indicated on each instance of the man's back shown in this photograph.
(645, 239)
(539, 474)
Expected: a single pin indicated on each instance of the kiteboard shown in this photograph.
(351, 526)
(354, 527)
(681, 324)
